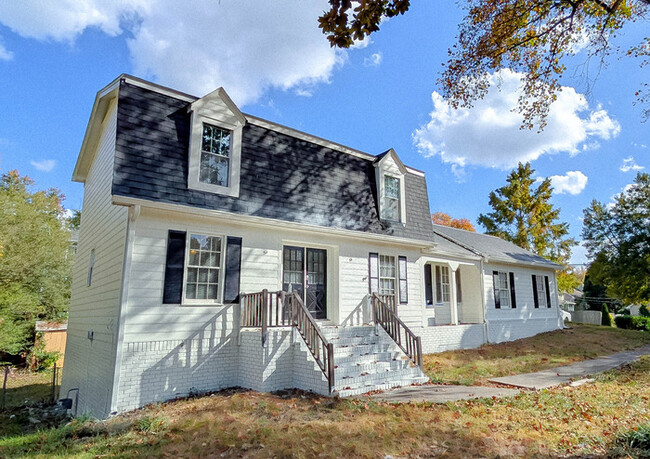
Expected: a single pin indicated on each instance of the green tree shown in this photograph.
(606, 319)
(534, 37)
(617, 237)
(35, 261)
(522, 214)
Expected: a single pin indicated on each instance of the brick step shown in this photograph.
(365, 349)
(378, 367)
(347, 360)
(376, 378)
(386, 386)
(361, 386)
(348, 332)
(357, 340)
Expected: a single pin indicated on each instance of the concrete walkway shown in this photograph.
(437, 393)
(565, 374)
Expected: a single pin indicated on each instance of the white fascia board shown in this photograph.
(529, 264)
(264, 222)
(94, 130)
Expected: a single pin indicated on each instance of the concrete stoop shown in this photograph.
(366, 361)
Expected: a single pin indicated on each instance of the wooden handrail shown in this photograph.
(397, 330)
(281, 309)
(390, 300)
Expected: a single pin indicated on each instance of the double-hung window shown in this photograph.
(442, 284)
(203, 268)
(541, 291)
(391, 207)
(215, 155)
(387, 276)
(504, 289)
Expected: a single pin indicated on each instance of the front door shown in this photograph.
(305, 272)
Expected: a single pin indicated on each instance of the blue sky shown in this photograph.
(274, 62)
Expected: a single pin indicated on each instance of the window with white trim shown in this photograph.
(391, 208)
(203, 269)
(215, 155)
(541, 295)
(502, 289)
(387, 275)
(442, 284)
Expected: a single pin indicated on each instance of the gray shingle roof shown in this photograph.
(282, 177)
(493, 248)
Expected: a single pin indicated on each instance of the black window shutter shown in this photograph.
(403, 280)
(233, 268)
(173, 287)
(535, 297)
(438, 285)
(548, 292)
(459, 290)
(513, 297)
(428, 284)
(495, 283)
(373, 272)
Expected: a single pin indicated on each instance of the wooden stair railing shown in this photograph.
(391, 302)
(407, 341)
(281, 309)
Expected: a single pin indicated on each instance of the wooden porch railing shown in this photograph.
(281, 309)
(407, 341)
(391, 301)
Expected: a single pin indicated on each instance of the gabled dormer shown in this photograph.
(390, 175)
(215, 144)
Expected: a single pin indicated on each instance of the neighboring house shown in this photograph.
(217, 249)
(53, 336)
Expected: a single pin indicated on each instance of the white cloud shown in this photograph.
(5, 54)
(374, 60)
(630, 165)
(45, 165)
(246, 46)
(489, 134)
(573, 182)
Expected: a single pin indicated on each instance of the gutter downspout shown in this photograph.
(133, 214)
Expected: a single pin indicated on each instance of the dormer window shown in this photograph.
(391, 208)
(215, 145)
(390, 176)
(215, 155)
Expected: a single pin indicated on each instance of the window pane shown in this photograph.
(202, 272)
(215, 140)
(214, 169)
(387, 275)
(391, 209)
(391, 187)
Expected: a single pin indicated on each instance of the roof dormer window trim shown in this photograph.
(216, 111)
(387, 168)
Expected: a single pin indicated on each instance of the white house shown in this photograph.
(218, 249)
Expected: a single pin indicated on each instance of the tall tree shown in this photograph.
(441, 218)
(524, 215)
(530, 36)
(35, 263)
(618, 238)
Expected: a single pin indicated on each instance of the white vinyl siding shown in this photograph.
(89, 365)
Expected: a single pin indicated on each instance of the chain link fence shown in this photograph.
(26, 388)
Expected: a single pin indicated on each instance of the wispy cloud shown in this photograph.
(573, 182)
(245, 46)
(630, 165)
(374, 60)
(489, 133)
(45, 165)
(5, 54)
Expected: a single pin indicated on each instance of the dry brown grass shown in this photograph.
(547, 350)
(563, 421)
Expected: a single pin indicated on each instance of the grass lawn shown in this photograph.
(602, 418)
(547, 350)
(586, 420)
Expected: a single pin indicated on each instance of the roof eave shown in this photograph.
(93, 130)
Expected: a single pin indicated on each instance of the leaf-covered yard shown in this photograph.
(593, 419)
